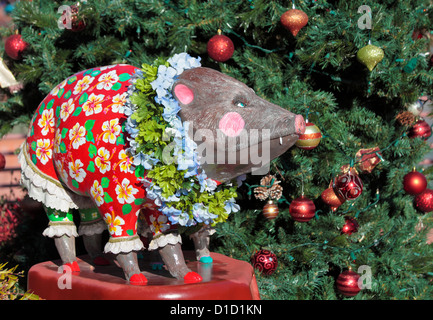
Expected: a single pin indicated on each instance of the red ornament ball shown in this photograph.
(348, 185)
(2, 161)
(15, 46)
(350, 226)
(270, 210)
(414, 183)
(424, 201)
(421, 129)
(220, 48)
(265, 261)
(302, 209)
(294, 20)
(347, 283)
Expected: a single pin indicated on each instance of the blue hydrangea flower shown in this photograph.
(164, 81)
(176, 216)
(231, 206)
(183, 61)
(145, 160)
(202, 214)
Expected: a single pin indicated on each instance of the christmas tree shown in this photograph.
(346, 194)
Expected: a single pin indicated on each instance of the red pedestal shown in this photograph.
(224, 279)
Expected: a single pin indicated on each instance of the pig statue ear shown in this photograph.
(183, 93)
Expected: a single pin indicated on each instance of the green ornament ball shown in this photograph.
(370, 56)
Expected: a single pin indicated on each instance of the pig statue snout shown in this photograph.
(236, 130)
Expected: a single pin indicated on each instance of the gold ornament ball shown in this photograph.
(311, 137)
(270, 210)
(370, 56)
(294, 20)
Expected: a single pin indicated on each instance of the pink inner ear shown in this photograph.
(183, 94)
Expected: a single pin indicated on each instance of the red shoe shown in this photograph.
(73, 266)
(192, 277)
(138, 279)
(101, 261)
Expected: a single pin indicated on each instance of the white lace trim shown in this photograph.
(61, 229)
(91, 228)
(124, 245)
(45, 189)
(164, 239)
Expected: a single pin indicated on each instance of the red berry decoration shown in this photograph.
(421, 129)
(350, 226)
(2, 161)
(265, 261)
(424, 201)
(15, 46)
(302, 209)
(414, 182)
(294, 20)
(348, 185)
(220, 47)
(347, 283)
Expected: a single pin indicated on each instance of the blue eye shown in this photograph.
(239, 104)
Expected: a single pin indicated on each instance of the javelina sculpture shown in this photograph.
(119, 142)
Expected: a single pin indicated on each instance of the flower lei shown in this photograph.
(162, 150)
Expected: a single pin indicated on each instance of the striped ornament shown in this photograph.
(302, 209)
(270, 210)
(347, 283)
(311, 137)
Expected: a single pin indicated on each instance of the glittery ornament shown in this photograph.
(347, 283)
(348, 185)
(270, 210)
(294, 20)
(220, 47)
(302, 209)
(405, 118)
(310, 138)
(368, 159)
(331, 198)
(265, 261)
(414, 182)
(421, 129)
(15, 46)
(424, 201)
(370, 56)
